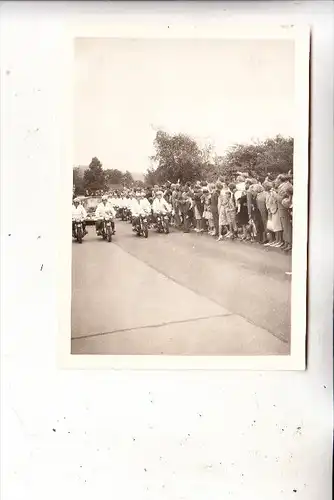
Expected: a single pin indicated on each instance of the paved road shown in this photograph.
(178, 294)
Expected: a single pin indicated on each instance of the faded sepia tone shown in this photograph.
(206, 126)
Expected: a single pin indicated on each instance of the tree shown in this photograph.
(94, 177)
(272, 156)
(151, 177)
(139, 184)
(127, 179)
(275, 156)
(177, 157)
(78, 182)
(113, 176)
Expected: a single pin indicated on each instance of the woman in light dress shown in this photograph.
(227, 210)
(274, 217)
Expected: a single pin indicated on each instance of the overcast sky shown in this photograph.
(223, 91)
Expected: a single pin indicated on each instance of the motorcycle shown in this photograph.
(119, 212)
(106, 229)
(78, 231)
(126, 215)
(141, 226)
(162, 223)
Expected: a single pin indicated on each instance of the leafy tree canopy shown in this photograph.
(78, 182)
(270, 157)
(95, 180)
(113, 176)
(177, 157)
(94, 177)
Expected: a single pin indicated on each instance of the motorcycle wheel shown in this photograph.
(79, 235)
(109, 236)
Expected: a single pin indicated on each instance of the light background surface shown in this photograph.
(152, 31)
(222, 92)
(175, 435)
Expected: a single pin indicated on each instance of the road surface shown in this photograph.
(178, 294)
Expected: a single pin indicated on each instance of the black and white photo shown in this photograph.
(188, 167)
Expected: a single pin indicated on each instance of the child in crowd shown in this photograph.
(207, 214)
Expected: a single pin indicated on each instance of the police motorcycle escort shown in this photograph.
(161, 210)
(78, 221)
(105, 219)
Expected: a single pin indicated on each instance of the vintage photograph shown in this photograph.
(183, 196)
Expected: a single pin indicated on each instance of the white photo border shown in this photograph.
(120, 26)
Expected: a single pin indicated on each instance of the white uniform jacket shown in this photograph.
(105, 211)
(136, 208)
(78, 212)
(146, 206)
(160, 206)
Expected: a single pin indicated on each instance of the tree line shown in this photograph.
(95, 180)
(178, 157)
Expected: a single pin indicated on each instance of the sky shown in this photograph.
(218, 91)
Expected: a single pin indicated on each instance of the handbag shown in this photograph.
(270, 225)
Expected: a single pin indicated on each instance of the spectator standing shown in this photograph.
(270, 235)
(261, 201)
(231, 211)
(207, 215)
(256, 219)
(223, 204)
(176, 198)
(272, 205)
(242, 216)
(185, 207)
(214, 209)
(284, 190)
(198, 211)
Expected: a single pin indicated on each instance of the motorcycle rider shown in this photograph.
(113, 201)
(129, 197)
(145, 204)
(123, 203)
(118, 207)
(104, 210)
(78, 212)
(160, 205)
(136, 209)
